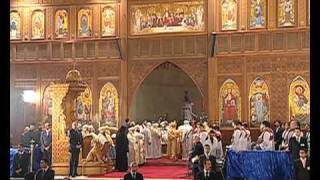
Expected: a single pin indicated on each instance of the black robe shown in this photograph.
(122, 147)
(21, 161)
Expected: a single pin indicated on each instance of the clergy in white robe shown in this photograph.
(215, 146)
(236, 137)
(140, 154)
(155, 141)
(147, 139)
(265, 140)
(186, 139)
(132, 145)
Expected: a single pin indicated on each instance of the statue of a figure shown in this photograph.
(187, 113)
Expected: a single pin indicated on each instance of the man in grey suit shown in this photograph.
(46, 142)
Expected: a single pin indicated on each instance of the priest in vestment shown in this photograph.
(186, 139)
(139, 147)
(132, 145)
(147, 139)
(172, 141)
(122, 147)
(155, 141)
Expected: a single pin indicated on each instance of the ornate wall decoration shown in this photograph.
(259, 103)
(258, 14)
(38, 25)
(299, 100)
(230, 103)
(84, 106)
(15, 25)
(167, 17)
(47, 103)
(229, 14)
(286, 13)
(308, 15)
(61, 23)
(109, 105)
(85, 22)
(108, 21)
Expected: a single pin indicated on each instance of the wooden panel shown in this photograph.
(67, 50)
(178, 46)
(134, 48)
(249, 42)
(264, 41)
(201, 44)
(222, 44)
(293, 40)
(20, 51)
(166, 47)
(189, 45)
(236, 43)
(278, 41)
(79, 49)
(103, 49)
(43, 51)
(56, 50)
(90, 49)
(31, 51)
(155, 47)
(145, 47)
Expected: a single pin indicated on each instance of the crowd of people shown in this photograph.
(199, 143)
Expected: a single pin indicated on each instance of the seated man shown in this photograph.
(133, 174)
(206, 174)
(205, 156)
(45, 173)
(302, 165)
(197, 150)
(21, 162)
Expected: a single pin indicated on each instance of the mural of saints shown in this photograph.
(37, 21)
(258, 10)
(286, 12)
(108, 20)
(259, 107)
(109, 105)
(15, 25)
(61, 23)
(167, 17)
(84, 105)
(299, 100)
(84, 23)
(47, 104)
(229, 14)
(230, 103)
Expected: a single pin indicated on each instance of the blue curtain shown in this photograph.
(13, 152)
(259, 165)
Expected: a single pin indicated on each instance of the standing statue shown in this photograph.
(187, 113)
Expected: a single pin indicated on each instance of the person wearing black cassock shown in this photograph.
(295, 142)
(197, 150)
(302, 165)
(122, 147)
(75, 140)
(21, 162)
(45, 173)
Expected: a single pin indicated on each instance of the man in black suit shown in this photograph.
(278, 134)
(75, 140)
(206, 174)
(302, 165)
(21, 162)
(45, 173)
(205, 156)
(297, 141)
(133, 174)
(197, 150)
(46, 142)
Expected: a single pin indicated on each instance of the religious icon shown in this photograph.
(61, 23)
(286, 12)
(84, 105)
(15, 25)
(259, 107)
(38, 31)
(109, 105)
(167, 17)
(258, 10)
(84, 23)
(230, 103)
(47, 104)
(108, 19)
(229, 14)
(299, 100)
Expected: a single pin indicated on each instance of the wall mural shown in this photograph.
(108, 21)
(299, 100)
(47, 104)
(38, 25)
(15, 25)
(258, 12)
(84, 106)
(167, 17)
(286, 12)
(85, 22)
(229, 14)
(109, 105)
(61, 23)
(259, 102)
(230, 103)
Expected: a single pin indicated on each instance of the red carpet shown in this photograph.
(158, 168)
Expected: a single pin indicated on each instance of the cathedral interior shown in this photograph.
(237, 59)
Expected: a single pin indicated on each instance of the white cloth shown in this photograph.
(215, 147)
(155, 142)
(186, 140)
(203, 136)
(236, 140)
(267, 143)
(147, 141)
(132, 144)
